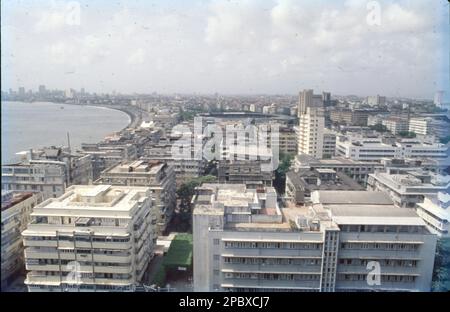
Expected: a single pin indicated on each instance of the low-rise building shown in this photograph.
(45, 176)
(104, 156)
(429, 126)
(242, 165)
(357, 170)
(374, 149)
(354, 117)
(16, 210)
(158, 176)
(243, 241)
(92, 238)
(329, 144)
(409, 187)
(396, 125)
(435, 211)
(300, 184)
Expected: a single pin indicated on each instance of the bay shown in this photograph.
(39, 124)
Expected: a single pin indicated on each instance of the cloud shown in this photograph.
(136, 57)
(264, 46)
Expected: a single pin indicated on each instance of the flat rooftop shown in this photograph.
(84, 200)
(149, 167)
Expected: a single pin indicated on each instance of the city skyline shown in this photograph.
(174, 47)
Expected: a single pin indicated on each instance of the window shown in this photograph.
(216, 241)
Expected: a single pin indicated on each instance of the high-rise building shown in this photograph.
(93, 238)
(439, 98)
(310, 132)
(311, 124)
(21, 91)
(243, 241)
(42, 90)
(307, 98)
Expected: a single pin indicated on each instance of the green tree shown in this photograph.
(280, 173)
(379, 128)
(445, 140)
(187, 190)
(407, 134)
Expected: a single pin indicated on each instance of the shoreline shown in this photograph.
(134, 116)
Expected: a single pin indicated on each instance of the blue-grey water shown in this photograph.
(39, 124)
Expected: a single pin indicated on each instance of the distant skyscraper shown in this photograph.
(376, 100)
(42, 89)
(307, 98)
(326, 96)
(82, 91)
(21, 91)
(439, 98)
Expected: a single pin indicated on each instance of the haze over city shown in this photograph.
(230, 47)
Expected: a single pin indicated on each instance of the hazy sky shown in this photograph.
(249, 46)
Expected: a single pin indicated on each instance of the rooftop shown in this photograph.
(94, 200)
(351, 198)
(150, 167)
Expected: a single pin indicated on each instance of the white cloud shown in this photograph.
(226, 46)
(136, 57)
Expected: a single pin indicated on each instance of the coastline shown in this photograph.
(134, 117)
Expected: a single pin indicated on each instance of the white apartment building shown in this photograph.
(158, 176)
(310, 132)
(429, 126)
(45, 176)
(396, 124)
(16, 210)
(408, 188)
(435, 212)
(92, 238)
(376, 100)
(244, 242)
(374, 149)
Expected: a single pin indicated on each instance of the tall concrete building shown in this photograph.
(310, 132)
(311, 124)
(93, 238)
(158, 176)
(243, 241)
(307, 98)
(16, 210)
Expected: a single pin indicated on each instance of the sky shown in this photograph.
(393, 48)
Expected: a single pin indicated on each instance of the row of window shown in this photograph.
(79, 238)
(384, 262)
(274, 276)
(383, 278)
(381, 246)
(273, 245)
(271, 261)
